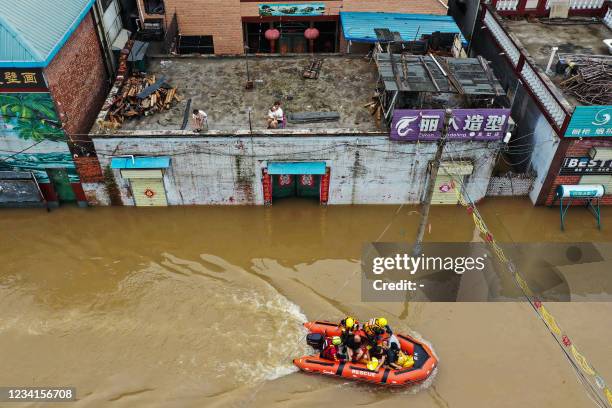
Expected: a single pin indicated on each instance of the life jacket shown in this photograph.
(330, 352)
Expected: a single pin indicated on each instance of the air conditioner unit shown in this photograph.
(559, 8)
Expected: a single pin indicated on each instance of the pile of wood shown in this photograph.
(314, 69)
(590, 81)
(375, 108)
(140, 95)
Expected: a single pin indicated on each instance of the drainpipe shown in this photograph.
(106, 49)
(551, 59)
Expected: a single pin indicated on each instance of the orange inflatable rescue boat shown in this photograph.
(424, 361)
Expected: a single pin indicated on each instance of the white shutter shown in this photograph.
(444, 190)
(606, 180)
(149, 192)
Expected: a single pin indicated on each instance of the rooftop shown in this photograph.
(33, 31)
(217, 86)
(579, 38)
(576, 36)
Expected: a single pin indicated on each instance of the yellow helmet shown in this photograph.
(336, 341)
(372, 364)
(381, 321)
(349, 322)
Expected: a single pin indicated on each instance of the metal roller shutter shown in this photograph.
(444, 190)
(606, 180)
(149, 192)
(142, 174)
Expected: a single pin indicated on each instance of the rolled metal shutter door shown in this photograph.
(149, 192)
(606, 180)
(444, 190)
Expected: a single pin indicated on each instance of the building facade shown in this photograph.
(52, 84)
(555, 128)
(257, 169)
(226, 27)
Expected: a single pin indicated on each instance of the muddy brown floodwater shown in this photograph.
(202, 306)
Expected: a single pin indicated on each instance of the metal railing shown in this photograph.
(537, 84)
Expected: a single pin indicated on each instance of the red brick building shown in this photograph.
(54, 79)
(226, 26)
(585, 150)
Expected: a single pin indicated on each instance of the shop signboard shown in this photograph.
(590, 121)
(585, 166)
(465, 124)
(288, 10)
(22, 80)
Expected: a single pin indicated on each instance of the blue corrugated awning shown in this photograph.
(359, 26)
(296, 168)
(157, 162)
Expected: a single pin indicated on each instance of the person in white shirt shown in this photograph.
(279, 114)
(199, 118)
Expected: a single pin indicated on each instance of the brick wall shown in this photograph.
(78, 80)
(578, 148)
(89, 169)
(223, 18)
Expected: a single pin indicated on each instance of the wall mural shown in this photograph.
(29, 123)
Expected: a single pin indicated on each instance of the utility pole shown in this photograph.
(448, 114)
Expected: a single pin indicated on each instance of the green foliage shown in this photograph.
(30, 115)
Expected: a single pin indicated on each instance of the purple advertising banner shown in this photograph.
(465, 124)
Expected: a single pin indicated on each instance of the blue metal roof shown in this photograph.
(154, 162)
(33, 31)
(296, 168)
(359, 26)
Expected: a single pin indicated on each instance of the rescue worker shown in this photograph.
(332, 351)
(375, 329)
(397, 359)
(348, 326)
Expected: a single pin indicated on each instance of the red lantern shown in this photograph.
(311, 33)
(272, 34)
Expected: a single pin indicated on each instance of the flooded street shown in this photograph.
(203, 306)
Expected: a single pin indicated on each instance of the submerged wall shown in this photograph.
(228, 170)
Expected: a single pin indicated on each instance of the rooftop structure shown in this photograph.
(366, 27)
(426, 81)
(33, 31)
(575, 39)
(415, 73)
(217, 86)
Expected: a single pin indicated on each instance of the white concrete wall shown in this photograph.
(364, 170)
(545, 143)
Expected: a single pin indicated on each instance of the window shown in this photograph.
(196, 44)
(105, 4)
(154, 6)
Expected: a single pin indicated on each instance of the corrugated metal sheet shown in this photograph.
(296, 168)
(605, 180)
(33, 31)
(149, 192)
(141, 174)
(143, 162)
(359, 26)
(600, 153)
(458, 168)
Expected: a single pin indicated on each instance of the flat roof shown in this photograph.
(571, 36)
(217, 86)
